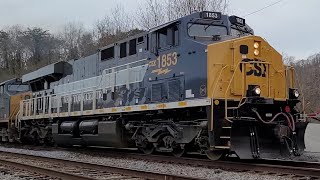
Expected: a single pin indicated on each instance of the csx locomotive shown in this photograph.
(202, 83)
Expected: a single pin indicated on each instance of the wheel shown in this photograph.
(215, 155)
(144, 145)
(178, 151)
(169, 143)
(147, 149)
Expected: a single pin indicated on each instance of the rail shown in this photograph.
(70, 169)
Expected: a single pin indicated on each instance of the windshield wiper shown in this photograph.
(209, 25)
(193, 23)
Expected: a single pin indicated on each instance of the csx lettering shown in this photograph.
(259, 70)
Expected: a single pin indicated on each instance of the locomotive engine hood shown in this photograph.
(245, 62)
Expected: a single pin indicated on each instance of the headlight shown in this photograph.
(296, 93)
(254, 91)
(256, 45)
(257, 90)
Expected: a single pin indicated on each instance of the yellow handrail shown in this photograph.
(220, 74)
(16, 109)
(226, 93)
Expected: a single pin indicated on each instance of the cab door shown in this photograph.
(167, 83)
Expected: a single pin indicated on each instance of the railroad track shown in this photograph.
(290, 169)
(52, 168)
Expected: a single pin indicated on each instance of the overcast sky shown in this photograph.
(291, 26)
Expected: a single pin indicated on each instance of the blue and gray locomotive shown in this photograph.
(202, 83)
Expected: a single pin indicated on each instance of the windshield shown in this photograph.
(18, 88)
(238, 33)
(203, 30)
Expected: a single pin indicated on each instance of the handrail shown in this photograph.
(17, 118)
(16, 109)
(103, 72)
(226, 93)
(220, 74)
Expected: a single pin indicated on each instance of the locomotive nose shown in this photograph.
(249, 64)
(255, 87)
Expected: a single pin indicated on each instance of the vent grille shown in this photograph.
(156, 94)
(174, 90)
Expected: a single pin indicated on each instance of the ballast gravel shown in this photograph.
(197, 172)
(312, 154)
(4, 176)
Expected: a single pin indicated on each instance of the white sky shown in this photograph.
(291, 26)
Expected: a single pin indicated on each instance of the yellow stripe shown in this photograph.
(161, 106)
(182, 103)
(145, 107)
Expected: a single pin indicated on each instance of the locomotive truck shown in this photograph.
(203, 83)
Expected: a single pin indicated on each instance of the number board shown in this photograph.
(237, 20)
(210, 15)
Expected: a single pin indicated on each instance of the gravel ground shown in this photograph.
(4, 176)
(313, 138)
(312, 154)
(312, 142)
(148, 166)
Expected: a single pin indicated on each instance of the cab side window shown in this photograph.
(165, 38)
(1, 90)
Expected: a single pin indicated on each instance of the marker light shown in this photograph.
(256, 45)
(296, 93)
(256, 52)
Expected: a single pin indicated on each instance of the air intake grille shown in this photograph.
(174, 90)
(156, 94)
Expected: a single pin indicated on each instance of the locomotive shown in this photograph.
(203, 83)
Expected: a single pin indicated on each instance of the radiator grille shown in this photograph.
(156, 94)
(174, 90)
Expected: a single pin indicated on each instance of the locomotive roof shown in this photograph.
(7, 81)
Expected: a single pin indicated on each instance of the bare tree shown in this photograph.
(179, 8)
(121, 20)
(308, 75)
(152, 14)
(35, 40)
(288, 60)
(87, 44)
(4, 49)
(155, 12)
(114, 27)
(16, 49)
(219, 6)
(71, 36)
